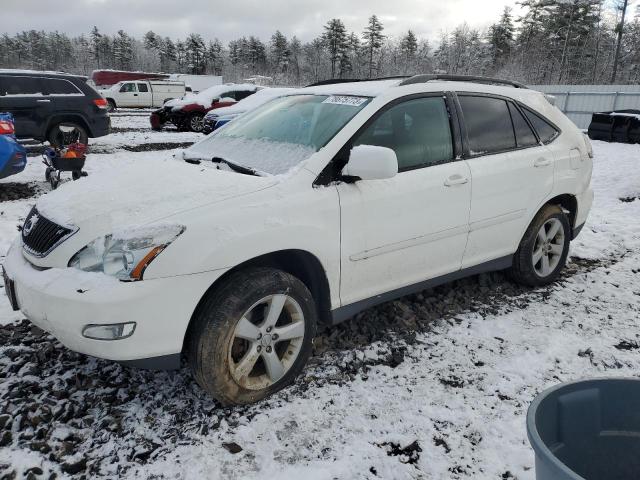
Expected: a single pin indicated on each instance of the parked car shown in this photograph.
(142, 93)
(221, 116)
(57, 107)
(188, 113)
(13, 156)
(318, 205)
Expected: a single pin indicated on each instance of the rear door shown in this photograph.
(145, 96)
(512, 173)
(24, 97)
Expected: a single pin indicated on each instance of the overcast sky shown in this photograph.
(229, 19)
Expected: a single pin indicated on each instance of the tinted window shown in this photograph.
(227, 95)
(417, 130)
(488, 123)
(545, 130)
(56, 86)
(11, 85)
(128, 87)
(142, 87)
(240, 95)
(524, 135)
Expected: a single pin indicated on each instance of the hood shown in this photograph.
(144, 192)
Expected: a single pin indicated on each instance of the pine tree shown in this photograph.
(295, 52)
(195, 52)
(335, 40)
(373, 41)
(123, 50)
(279, 52)
(408, 50)
(501, 36)
(215, 57)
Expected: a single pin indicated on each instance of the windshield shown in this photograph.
(281, 133)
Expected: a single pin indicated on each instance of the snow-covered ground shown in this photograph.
(434, 385)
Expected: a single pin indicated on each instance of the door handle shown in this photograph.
(542, 162)
(135, 94)
(456, 179)
(44, 101)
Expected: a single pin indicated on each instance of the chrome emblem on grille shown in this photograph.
(29, 224)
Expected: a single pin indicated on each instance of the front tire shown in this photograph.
(252, 336)
(196, 122)
(544, 248)
(111, 105)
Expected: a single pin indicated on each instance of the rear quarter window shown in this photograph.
(59, 86)
(545, 130)
(524, 135)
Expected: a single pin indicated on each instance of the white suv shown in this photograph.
(307, 210)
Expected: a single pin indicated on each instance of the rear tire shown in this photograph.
(66, 133)
(251, 336)
(544, 248)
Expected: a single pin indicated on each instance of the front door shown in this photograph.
(128, 95)
(414, 226)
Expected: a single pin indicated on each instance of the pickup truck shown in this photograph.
(142, 93)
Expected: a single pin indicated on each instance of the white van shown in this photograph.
(142, 93)
(197, 83)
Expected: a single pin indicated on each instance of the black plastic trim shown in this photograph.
(163, 362)
(343, 313)
(576, 231)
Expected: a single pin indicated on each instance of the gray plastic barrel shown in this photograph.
(588, 430)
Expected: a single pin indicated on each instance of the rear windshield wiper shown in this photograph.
(235, 167)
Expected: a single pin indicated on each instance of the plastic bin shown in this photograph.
(587, 430)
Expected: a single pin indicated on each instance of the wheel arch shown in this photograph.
(569, 203)
(300, 263)
(68, 117)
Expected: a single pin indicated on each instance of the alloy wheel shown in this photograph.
(548, 247)
(266, 341)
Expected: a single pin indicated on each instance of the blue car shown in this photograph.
(13, 156)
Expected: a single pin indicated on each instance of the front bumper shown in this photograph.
(62, 301)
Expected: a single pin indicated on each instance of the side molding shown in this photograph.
(343, 313)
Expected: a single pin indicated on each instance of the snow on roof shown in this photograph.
(206, 97)
(252, 101)
(371, 88)
(38, 72)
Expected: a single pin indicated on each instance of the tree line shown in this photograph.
(553, 41)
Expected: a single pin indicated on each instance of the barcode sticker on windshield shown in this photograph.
(345, 100)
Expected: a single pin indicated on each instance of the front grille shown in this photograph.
(40, 235)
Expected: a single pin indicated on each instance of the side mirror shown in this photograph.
(369, 162)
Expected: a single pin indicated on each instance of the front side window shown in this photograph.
(546, 131)
(11, 85)
(280, 134)
(488, 122)
(128, 87)
(142, 87)
(417, 130)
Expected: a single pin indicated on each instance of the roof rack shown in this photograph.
(461, 78)
(351, 80)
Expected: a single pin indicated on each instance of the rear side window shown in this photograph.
(54, 86)
(20, 86)
(546, 131)
(142, 87)
(488, 122)
(524, 135)
(242, 94)
(417, 130)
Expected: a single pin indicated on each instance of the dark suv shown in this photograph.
(57, 107)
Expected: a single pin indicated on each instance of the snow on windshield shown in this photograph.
(206, 97)
(280, 134)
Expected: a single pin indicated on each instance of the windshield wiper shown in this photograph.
(235, 167)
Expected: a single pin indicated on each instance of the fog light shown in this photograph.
(114, 331)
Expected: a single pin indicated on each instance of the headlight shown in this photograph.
(126, 254)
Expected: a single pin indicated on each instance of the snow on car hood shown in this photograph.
(205, 98)
(145, 192)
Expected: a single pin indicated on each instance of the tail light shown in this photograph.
(101, 103)
(6, 128)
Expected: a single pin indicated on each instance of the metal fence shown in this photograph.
(578, 102)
